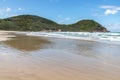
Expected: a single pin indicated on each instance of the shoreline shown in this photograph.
(66, 59)
(6, 35)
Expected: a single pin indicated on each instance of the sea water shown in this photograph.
(93, 36)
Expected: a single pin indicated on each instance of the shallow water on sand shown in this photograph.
(38, 58)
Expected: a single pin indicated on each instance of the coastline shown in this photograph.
(66, 59)
(6, 35)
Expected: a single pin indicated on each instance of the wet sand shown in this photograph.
(38, 58)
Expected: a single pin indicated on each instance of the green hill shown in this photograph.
(36, 23)
(88, 25)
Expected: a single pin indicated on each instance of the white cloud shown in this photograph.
(19, 8)
(107, 7)
(67, 19)
(110, 9)
(5, 12)
(8, 9)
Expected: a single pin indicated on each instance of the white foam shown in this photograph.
(79, 35)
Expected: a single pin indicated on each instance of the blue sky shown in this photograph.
(106, 12)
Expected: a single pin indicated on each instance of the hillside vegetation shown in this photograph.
(36, 23)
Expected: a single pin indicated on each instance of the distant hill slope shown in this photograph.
(88, 25)
(36, 23)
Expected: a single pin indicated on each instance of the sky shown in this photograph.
(105, 12)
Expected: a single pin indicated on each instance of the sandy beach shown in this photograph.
(5, 35)
(40, 58)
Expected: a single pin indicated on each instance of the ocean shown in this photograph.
(95, 36)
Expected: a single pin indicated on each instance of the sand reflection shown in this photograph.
(27, 43)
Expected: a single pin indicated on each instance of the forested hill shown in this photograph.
(36, 23)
